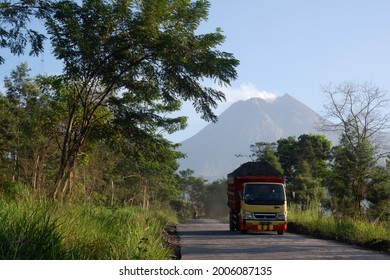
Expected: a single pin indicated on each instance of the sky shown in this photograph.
(285, 46)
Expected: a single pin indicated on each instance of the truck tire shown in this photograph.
(232, 226)
(280, 232)
(244, 231)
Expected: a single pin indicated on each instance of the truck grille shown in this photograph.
(265, 216)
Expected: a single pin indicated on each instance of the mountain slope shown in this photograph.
(211, 153)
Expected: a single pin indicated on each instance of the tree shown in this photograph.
(302, 161)
(8, 132)
(30, 112)
(287, 155)
(266, 151)
(358, 110)
(351, 176)
(379, 193)
(312, 153)
(143, 53)
(313, 149)
(15, 33)
(194, 191)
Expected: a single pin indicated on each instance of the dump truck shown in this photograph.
(257, 198)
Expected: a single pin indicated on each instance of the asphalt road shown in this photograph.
(212, 240)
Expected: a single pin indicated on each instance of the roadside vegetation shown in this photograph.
(32, 228)
(365, 233)
(85, 169)
(340, 190)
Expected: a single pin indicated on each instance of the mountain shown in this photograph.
(212, 152)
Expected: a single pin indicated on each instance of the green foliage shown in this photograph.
(25, 149)
(14, 190)
(31, 229)
(15, 32)
(359, 113)
(379, 194)
(27, 231)
(194, 190)
(127, 66)
(345, 179)
(262, 151)
(303, 161)
(144, 48)
(139, 61)
(354, 231)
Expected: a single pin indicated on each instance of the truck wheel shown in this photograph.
(232, 226)
(280, 232)
(244, 231)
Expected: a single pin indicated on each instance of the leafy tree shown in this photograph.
(351, 176)
(302, 161)
(266, 151)
(287, 156)
(16, 32)
(315, 150)
(379, 193)
(30, 113)
(312, 155)
(143, 54)
(360, 119)
(8, 132)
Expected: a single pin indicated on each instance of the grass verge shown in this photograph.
(32, 229)
(362, 233)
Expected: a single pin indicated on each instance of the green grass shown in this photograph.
(359, 232)
(35, 229)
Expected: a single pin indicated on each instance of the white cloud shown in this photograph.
(195, 123)
(247, 91)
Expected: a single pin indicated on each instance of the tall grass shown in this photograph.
(359, 232)
(35, 229)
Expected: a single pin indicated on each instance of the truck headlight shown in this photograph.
(248, 215)
(282, 215)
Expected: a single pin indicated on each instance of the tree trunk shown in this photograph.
(36, 174)
(112, 192)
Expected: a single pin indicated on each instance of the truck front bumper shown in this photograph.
(264, 226)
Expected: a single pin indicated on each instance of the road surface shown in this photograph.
(212, 240)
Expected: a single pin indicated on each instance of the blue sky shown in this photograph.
(296, 47)
(286, 46)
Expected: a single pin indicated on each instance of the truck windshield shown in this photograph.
(268, 194)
